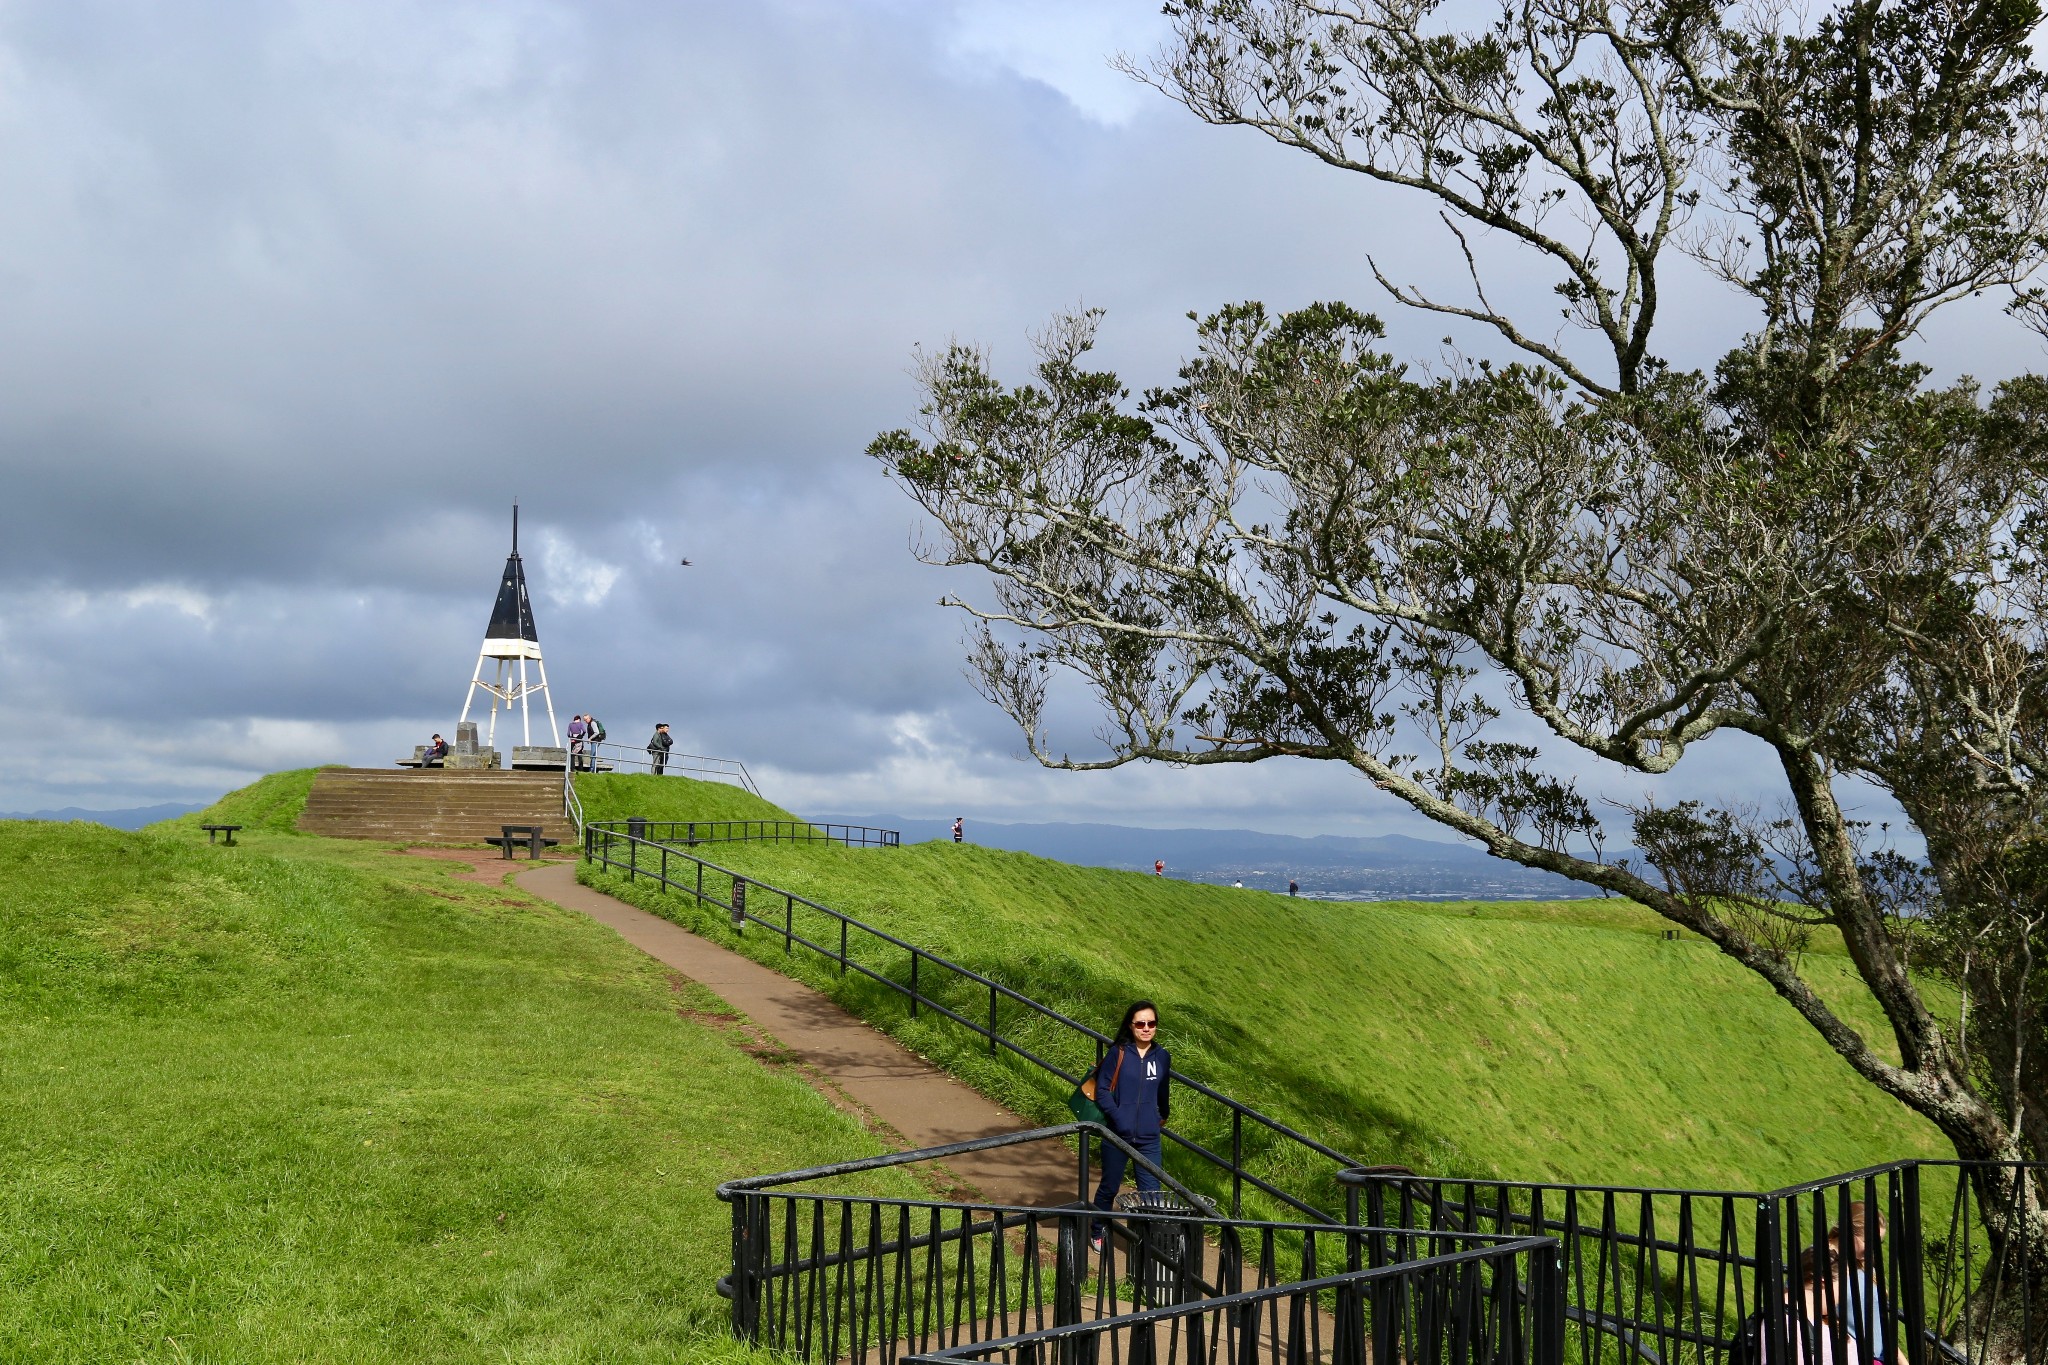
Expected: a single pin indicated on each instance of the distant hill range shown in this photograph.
(1330, 867)
(135, 817)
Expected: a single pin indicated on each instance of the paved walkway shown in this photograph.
(923, 1104)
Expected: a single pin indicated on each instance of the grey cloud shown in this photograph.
(299, 298)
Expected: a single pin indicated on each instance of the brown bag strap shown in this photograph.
(1116, 1073)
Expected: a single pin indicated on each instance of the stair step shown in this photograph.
(435, 805)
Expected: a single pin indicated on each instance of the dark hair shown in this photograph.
(1124, 1032)
(1807, 1274)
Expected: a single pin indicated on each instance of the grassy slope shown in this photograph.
(303, 1100)
(271, 803)
(616, 796)
(1559, 1040)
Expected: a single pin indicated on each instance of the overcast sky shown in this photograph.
(295, 299)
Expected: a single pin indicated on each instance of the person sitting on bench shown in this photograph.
(435, 753)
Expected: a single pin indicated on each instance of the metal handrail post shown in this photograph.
(749, 1258)
(1770, 1286)
(1912, 1307)
(1547, 1306)
(1070, 1270)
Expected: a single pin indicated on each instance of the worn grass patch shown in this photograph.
(302, 1100)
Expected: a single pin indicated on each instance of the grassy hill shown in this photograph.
(304, 1100)
(1562, 1040)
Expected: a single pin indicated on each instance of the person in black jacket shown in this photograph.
(1133, 1086)
(658, 747)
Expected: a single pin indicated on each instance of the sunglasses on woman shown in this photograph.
(1144, 1023)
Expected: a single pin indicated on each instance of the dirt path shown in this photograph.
(884, 1079)
(486, 869)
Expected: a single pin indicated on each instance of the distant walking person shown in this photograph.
(959, 829)
(1132, 1086)
(1159, 867)
(658, 747)
(1293, 887)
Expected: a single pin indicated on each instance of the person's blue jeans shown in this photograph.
(1113, 1163)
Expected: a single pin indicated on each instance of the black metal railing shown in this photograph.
(1222, 1141)
(1647, 1276)
(1657, 1275)
(690, 833)
(602, 756)
(830, 1276)
(1464, 1307)
(1895, 1263)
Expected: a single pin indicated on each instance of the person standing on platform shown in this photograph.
(658, 747)
(1133, 1087)
(959, 829)
(577, 731)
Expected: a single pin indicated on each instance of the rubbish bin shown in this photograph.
(636, 827)
(1162, 1268)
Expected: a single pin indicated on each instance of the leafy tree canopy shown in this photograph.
(1303, 548)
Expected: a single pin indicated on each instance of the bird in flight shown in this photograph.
(686, 563)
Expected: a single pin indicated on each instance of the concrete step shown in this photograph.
(433, 805)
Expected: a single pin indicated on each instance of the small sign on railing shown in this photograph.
(739, 904)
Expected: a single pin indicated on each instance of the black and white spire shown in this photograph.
(512, 617)
(509, 641)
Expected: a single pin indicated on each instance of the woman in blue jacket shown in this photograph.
(1133, 1087)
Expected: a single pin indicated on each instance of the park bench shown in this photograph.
(213, 831)
(516, 835)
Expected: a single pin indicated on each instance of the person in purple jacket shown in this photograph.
(1133, 1087)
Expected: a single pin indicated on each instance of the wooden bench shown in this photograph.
(212, 831)
(516, 835)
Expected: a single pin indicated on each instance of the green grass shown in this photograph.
(271, 803)
(619, 796)
(303, 1100)
(1551, 1041)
